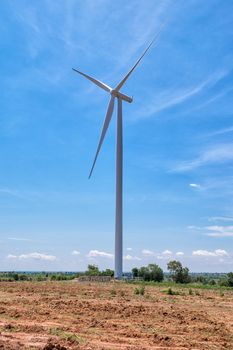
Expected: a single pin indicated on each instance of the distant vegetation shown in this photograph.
(37, 276)
(179, 274)
(150, 273)
(92, 270)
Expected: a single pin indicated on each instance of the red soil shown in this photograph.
(69, 315)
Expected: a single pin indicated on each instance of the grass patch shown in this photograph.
(180, 285)
(140, 290)
(221, 293)
(170, 291)
(66, 335)
(113, 292)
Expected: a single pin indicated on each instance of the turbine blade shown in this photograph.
(119, 86)
(95, 81)
(105, 128)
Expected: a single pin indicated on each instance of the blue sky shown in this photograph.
(178, 148)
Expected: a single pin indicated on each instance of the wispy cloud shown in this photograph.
(176, 96)
(220, 218)
(221, 131)
(10, 192)
(220, 231)
(211, 100)
(206, 253)
(98, 254)
(214, 230)
(214, 155)
(179, 253)
(34, 256)
(20, 239)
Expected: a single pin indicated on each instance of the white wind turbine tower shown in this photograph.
(115, 93)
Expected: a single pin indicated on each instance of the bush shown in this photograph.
(113, 292)
(221, 293)
(140, 290)
(190, 291)
(223, 282)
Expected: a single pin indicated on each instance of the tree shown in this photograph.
(156, 273)
(230, 279)
(135, 272)
(179, 273)
(152, 272)
(108, 272)
(93, 270)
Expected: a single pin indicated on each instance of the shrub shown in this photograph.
(140, 290)
(113, 292)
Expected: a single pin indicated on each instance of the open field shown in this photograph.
(69, 315)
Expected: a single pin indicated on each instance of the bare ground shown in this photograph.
(69, 315)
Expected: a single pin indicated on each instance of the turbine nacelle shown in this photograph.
(118, 94)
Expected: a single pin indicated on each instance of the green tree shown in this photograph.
(230, 279)
(108, 272)
(135, 272)
(152, 272)
(93, 270)
(156, 273)
(179, 273)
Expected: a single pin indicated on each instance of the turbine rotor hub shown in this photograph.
(124, 97)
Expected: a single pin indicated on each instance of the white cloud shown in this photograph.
(97, 253)
(147, 252)
(206, 253)
(11, 256)
(130, 257)
(75, 252)
(129, 249)
(166, 252)
(35, 256)
(220, 231)
(195, 185)
(179, 253)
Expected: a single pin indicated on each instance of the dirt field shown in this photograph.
(69, 315)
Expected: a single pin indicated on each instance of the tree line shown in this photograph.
(151, 272)
(179, 274)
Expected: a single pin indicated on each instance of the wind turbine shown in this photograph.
(115, 93)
